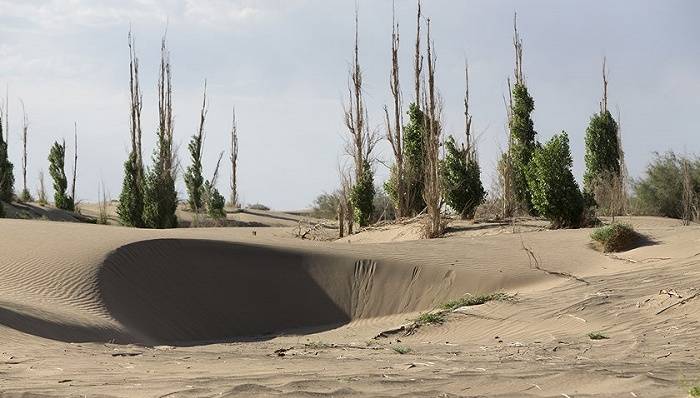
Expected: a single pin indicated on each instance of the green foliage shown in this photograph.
(597, 336)
(523, 145)
(130, 208)
(461, 180)
(7, 178)
(660, 191)
(475, 300)
(555, 194)
(57, 156)
(193, 175)
(694, 391)
(214, 201)
(326, 206)
(159, 200)
(26, 196)
(413, 163)
(399, 349)
(430, 318)
(615, 237)
(602, 152)
(362, 196)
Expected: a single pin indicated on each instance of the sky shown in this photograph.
(284, 65)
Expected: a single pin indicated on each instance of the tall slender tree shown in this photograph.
(7, 178)
(25, 196)
(432, 193)
(194, 181)
(522, 131)
(57, 158)
(160, 198)
(361, 141)
(393, 134)
(130, 209)
(234, 163)
(603, 152)
(75, 160)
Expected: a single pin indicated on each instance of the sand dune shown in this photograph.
(109, 311)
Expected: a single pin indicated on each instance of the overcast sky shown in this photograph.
(284, 64)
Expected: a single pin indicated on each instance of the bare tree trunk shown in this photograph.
(135, 111)
(432, 192)
(165, 110)
(604, 101)
(394, 134)
(41, 195)
(7, 116)
(25, 127)
(234, 162)
(75, 160)
(341, 219)
(418, 62)
(688, 199)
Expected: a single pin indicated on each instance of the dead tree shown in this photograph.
(361, 140)
(394, 133)
(431, 144)
(41, 194)
(469, 149)
(136, 100)
(604, 100)
(25, 196)
(234, 162)
(75, 159)
(7, 115)
(418, 61)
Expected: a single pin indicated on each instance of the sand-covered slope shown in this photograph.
(296, 318)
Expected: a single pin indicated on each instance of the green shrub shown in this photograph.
(694, 391)
(160, 199)
(615, 237)
(399, 349)
(660, 191)
(597, 336)
(523, 144)
(57, 156)
(362, 197)
(475, 300)
(130, 208)
(602, 149)
(326, 206)
(461, 180)
(430, 318)
(214, 201)
(258, 206)
(555, 194)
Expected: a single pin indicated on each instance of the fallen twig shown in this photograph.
(685, 300)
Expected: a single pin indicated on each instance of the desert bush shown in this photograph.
(214, 201)
(461, 180)
(258, 206)
(475, 300)
(160, 199)
(555, 194)
(7, 178)
(597, 336)
(326, 206)
(615, 237)
(362, 196)
(57, 156)
(130, 208)
(661, 191)
(194, 181)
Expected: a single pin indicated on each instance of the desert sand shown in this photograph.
(106, 311)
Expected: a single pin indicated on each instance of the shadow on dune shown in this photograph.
(187, 291)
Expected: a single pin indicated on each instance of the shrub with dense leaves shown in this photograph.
(461, 180)
(660, 191)
(615, 237)
(57, 156)
(194, 181)
(602, 150)
(555, 194)
(362, 197)
(160, 199)
(214, 201)
(130, 208)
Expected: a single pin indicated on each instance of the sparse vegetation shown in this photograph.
(7, 179)
(258, 206)
(475, 300)
(615, 237)
(399, 349)
(597, 336)
(430, 318)
(326, 206)
(694, 391)
(194, 181)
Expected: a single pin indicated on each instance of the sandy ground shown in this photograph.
(105, 311)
